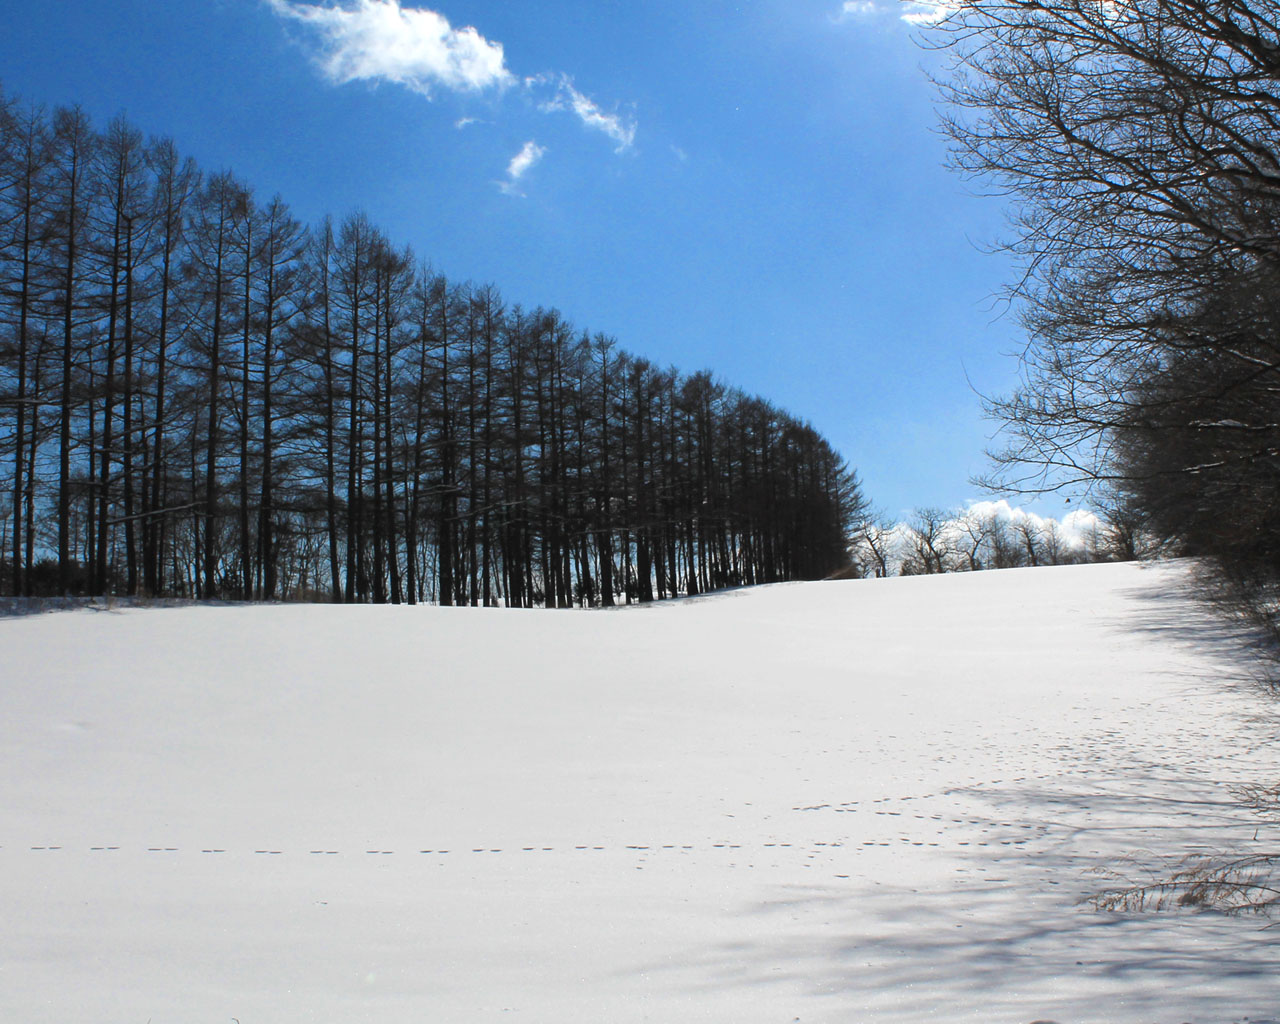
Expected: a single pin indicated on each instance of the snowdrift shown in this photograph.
(876, 800)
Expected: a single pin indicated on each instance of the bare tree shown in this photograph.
(931, 548)
(974, 533)
(220, 370)
(73, 144)
(175, 184)
(874, 542)
(1028, 534)
(1138, 143)
(1053, 543)
(24, 159)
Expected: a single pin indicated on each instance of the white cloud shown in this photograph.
(526, 158)
(1076, 529)
(926, 12)
(913, 12)
(378, 40)
(383, 41)
(520, 165)
(621, 130)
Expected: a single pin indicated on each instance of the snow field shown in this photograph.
(857, 801)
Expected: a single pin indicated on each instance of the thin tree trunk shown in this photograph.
(130, 528)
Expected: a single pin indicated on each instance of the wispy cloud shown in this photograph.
(913, 12)
(520, 165)
(622, 130)
(927, 12)
(378, 40)
(417, 48)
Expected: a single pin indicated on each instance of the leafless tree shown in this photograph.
(1053, 543)
(1028, 534)
(187, 374)
(873, 542)
(974, 534)
(931, 549)
(1139, 143)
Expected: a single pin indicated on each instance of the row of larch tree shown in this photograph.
(201, 397)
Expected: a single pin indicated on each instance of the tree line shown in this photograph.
(202, 397)
(986, 536)
(1140, 145)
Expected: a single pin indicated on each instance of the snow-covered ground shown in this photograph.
(845, 802)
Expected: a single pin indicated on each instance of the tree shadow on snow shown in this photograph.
(1015, 934)
(1191, 610)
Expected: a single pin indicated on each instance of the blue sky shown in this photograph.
(757, 188)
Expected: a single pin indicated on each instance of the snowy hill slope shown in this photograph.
(855, 801)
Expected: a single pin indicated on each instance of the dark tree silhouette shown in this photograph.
(1140, 145)
(233, 406)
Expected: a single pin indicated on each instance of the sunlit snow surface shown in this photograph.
(841, 802)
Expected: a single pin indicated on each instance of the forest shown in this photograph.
(202, 397)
